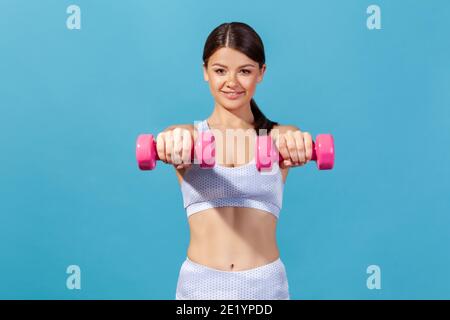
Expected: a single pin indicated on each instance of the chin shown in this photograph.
(233, 104)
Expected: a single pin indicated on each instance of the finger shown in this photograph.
(282, 149)
(195, 135)
(286, 164)
(300, 145)
(187, 147)
(161, 146)
(169, 147)
(292, 147)
(177, 146)
(308, 145)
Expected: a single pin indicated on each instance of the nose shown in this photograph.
(231, 83)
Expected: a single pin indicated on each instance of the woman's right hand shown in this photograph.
(174, 146)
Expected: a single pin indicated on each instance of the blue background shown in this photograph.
(72, 103)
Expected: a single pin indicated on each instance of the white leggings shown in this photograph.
(200, 282)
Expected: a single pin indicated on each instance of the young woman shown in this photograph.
(233, 208)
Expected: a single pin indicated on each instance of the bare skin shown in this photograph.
(232, 238)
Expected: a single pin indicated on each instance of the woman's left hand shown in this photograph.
(294, 146)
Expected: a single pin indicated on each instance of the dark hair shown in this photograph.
(241, 37)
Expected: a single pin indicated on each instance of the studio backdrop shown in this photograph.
(80, 80)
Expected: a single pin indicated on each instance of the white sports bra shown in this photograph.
(221, 186)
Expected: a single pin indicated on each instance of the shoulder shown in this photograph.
(189, 127)
(184, 126)
(281, 129)
(286, 127)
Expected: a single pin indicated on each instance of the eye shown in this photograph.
(246, 71)
(218, 70)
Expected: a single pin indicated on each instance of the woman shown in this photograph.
(233, 208)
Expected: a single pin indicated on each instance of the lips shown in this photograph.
(233, 94)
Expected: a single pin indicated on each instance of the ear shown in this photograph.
(262, 72)
(205, 73)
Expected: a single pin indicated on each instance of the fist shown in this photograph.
(174, 146)
(294, 146)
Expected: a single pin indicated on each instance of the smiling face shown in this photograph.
(232, 77)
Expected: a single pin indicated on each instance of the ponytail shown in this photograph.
(261, 121)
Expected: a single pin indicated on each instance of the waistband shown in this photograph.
(269, 265)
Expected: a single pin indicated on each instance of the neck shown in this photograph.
(239, 118)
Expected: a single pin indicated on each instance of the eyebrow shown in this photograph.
(245, 65)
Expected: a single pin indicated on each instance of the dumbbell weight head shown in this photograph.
(265, 153)
(323, 151)
(146, 154)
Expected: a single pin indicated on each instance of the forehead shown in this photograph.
(230, 57)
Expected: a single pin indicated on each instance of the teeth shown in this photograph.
(233, 93)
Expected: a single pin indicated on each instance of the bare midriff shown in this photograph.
(232, 238)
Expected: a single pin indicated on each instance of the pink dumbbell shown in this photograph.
(146, 154)
(323, 152)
